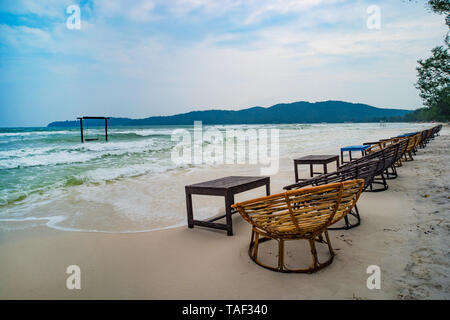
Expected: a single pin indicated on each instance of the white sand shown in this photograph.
(404, 230)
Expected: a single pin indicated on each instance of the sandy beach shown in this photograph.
(404, 230)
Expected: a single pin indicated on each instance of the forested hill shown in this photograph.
(296, 112)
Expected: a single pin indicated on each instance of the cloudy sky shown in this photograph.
(139, 58)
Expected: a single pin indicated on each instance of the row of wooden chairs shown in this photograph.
(365, 170)
(308, 209)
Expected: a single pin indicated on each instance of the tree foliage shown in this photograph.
(441, 7)
(433, 76)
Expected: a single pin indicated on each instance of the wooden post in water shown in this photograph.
(81, 130)
(106, 129)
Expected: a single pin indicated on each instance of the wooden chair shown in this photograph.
(402, 141)
(389, 156)
(299, 214)
(413, 141)
(418, 141)
(403, 144)
(361, 170)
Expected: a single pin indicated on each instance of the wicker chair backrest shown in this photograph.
(362, 170)
(411, 143)
(302, 212)
(403, 144)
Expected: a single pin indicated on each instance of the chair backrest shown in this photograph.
(302, 212)
(382, 144)
(424, 134)
(391, 155)
(361, 170)
(402, 145)
(391, 150)
(435, 130)
(411, 143)
(418, 140)
(375, 147)
(379, 155)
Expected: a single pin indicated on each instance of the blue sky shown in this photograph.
(139, 58)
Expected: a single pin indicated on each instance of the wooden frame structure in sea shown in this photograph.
(83, 139)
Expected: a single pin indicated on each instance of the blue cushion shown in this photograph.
(407, 134)
(355, 148)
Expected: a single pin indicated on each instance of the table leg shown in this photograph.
(268, 188)
(229, 200)
(296, 172)
(350, 155)
(311, 170)
(342, 157)
(337, 163)
(325, 168)
(190, 215)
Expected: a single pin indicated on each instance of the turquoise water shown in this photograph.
(35, 160)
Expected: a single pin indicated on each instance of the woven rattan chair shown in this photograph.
(418, 141)
(299, 214)
(388, 156)
(361, 170)
(394, 149)
(403, 144)
(424, 139)
(413, 142)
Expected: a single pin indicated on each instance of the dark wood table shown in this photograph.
(322, 159)
(226, 187)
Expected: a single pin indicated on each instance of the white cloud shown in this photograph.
(282, 7)
(23, 37)
(132, 72)
(134, 10)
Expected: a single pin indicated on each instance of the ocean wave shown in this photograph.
(64, 157)
(31, 133)
(143, 132)
(79, 153)
(24, 152)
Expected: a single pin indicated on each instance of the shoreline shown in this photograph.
(404, 230)
(155, 200)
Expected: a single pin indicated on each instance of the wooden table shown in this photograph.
(322, 159)
(226, 187)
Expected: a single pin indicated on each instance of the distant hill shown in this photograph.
(296, 112)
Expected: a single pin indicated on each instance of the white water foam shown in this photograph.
(145, 191)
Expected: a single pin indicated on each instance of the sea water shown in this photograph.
(130, 183)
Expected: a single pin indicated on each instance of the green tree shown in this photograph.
(441, 7)
(434, 75)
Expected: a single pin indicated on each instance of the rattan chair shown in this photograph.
(388, 157)
(299, 214)
(413, 142)
(361, 170)
(394, 150)
(403, 144)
